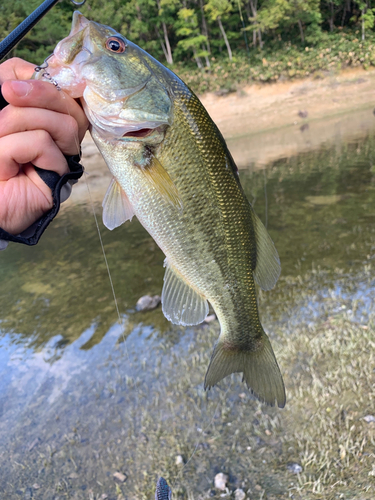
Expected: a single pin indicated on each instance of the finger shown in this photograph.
(38, 94)
(62, 128)
(16, 69)
(36, 147)
(23, 202)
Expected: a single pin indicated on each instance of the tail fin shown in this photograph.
(260, 370)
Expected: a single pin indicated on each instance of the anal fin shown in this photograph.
(116, 206)
(182, 305)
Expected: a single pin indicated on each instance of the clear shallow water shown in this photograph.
(78, 403)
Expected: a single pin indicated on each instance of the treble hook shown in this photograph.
(45, 74)
(44, 65)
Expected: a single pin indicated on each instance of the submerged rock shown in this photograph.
(119, 477)
(148, 302)
(294, 468)
(239, 494)
(210, 318)
(221, 481)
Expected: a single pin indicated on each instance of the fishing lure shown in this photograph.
(163, 491)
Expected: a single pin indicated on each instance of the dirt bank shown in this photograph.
(260, 108)
(264, 122)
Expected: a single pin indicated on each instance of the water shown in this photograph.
(77, 403)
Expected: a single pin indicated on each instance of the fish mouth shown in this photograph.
(139, 134)
(113, 128)
(64, 64)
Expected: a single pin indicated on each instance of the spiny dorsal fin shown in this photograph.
(160, 179)
(116, 206)
(182, 305)
(267, 269)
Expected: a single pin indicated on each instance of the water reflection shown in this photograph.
(320, 205)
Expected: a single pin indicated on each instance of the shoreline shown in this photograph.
(274, 105)
(262, 123)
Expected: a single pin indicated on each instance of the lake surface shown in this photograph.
(83, 396)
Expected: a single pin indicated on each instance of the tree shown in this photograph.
(367, 17)
(269, 16)
(216, 9)
(167, 11)
(334, 7)
(188, 28)
(253, 17)
(305, 12)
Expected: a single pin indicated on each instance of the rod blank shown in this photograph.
(22, 29)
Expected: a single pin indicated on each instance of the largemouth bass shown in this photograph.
(172, 169)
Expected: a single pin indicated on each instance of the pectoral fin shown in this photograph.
(156, 174)
(267, 269)
(116, 206)
(182, 305)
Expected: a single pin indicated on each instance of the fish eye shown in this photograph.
(115, 44)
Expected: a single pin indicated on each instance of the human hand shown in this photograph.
(38, 127)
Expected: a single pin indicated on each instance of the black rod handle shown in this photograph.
(17, 34)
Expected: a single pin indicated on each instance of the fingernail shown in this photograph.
(21, 88)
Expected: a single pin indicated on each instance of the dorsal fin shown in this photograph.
(267, 269)
(182, 305)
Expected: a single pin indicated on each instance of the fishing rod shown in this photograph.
(22, 29)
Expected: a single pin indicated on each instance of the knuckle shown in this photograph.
(11, 63)
(7, 117)
(15, 61)
(72, 126)
(43, 138)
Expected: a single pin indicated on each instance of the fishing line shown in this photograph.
(265, 197)
(48, 77)
(99, 234)
(104, 254)
(120, 319)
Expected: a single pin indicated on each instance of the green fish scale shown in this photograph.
(223, 231)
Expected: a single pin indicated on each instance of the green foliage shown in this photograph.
(270, 17)
(217, 8)
(42, 39)
(368, 18)
(283, 60)
(290, 38)
(188, 29)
